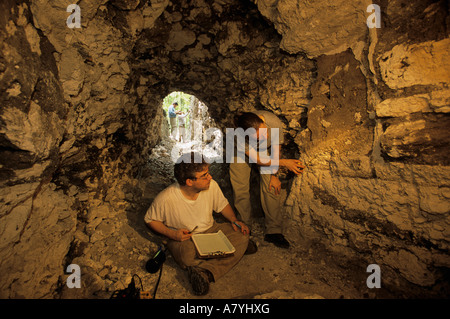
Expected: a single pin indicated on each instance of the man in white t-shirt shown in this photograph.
(186, 207)
(182, 126)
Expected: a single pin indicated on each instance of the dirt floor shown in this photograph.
(303, 271)
(270, 273)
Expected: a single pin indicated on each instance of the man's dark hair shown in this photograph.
(247, 119)
(187, 165)
(175, 103)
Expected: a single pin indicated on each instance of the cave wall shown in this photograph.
(222, 53)
(366, 109)
(71, 130)
(376, 144)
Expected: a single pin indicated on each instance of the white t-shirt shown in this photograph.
(182, 119)
(175, 211)
(273, 137)
(272, 122)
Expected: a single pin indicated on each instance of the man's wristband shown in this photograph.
(237, 225)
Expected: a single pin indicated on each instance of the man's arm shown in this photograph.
(273, 160)
(291, 164)
(228, 213)
(178, 235)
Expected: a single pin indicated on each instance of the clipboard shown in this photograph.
(213, 245)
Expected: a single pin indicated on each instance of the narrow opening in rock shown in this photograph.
(177, 110)
(188, 127)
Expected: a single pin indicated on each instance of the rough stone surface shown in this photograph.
(366, 110)
(319, 27)
(426, 63)
(367, 187)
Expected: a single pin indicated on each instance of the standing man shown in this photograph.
(263, 125)
(173, 119)
(186, 207)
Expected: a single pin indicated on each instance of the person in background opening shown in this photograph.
(182, 126)
(173, 119)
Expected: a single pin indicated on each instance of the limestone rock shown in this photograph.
(421, 140)
(433, 200)
(402, 106)
(235, 37)
(317, 28)
(42, 237)
(25, 130)
(126, 5)
(178, 39)
(411, 267)
(72, 72)
(434, 101)
(426, 63)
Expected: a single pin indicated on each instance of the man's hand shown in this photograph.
(181, 235)
(275, 183)
(228, 213)
(238, 225)
(178, 235)
(293, 165)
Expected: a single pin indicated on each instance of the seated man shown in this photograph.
(186, 206)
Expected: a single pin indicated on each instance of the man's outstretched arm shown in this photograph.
(293, 165)
(178, 235)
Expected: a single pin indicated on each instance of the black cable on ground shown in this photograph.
(157, 283)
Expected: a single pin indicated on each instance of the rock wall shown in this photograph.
(376, 145)
(365, 109)
(73, 133)
(221, 53)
